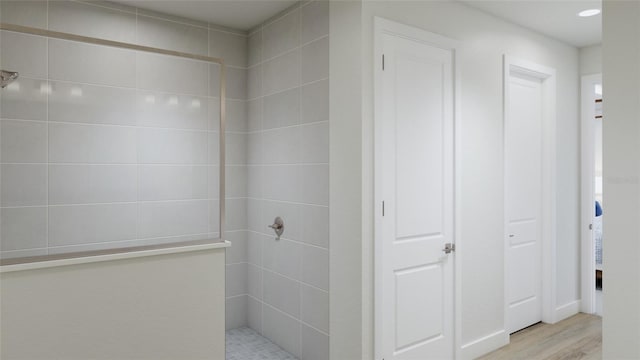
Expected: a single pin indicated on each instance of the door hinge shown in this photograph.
(383, 70)
(590, 226)
(383, 215)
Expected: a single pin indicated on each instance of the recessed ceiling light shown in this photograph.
(589, 12)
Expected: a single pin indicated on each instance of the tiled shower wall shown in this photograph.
(288, 176)
(104, 147)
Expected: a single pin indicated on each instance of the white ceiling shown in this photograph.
(554, 18)
(237, 14)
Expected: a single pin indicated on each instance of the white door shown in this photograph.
(414, 156)
(523, 153)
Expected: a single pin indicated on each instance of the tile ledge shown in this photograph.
(85, 257)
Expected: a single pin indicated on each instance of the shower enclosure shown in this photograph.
(123, 129)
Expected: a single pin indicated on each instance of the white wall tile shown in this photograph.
(25, 99)
(254, 248)
(254, 148)
(84, 184)
(282, 109)
(170, 182)
(314, 182)
(84, 224)
(254, 115)
(236, 279)
(282, 35)
(315, 267)
(165, 110)
(229, 46)
(236, 115)
(254, 314)
(282, 256)
(282, 293)
(172, 35)
(281, 183)
(23, 228)
(168, 146)
(254, 51)
(315, 60)
(254, 284)
(23, 185)
(236, 181)
(315, 345)
(254, 181)
(236, 312)
(281, 73)
(91, 104)
(214, 182)
(255, 221)
(26, 54)
(315, 225)
(236, 149)
(314, 100)
(315, 141)
(23, 141)
(25, 13)
(282, 329)
(172, 74)
(76, 143)
(169, 17)
(282, 146)
(94, 21)
(94, 64)
(159, 219)
(254, 82)
(314, 308)
(237, 253)
(236, 83)
(236, 211)
(315, 20)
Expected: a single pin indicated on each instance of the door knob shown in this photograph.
(449, 247)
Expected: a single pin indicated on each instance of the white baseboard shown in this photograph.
(483, 345)
(567, 310)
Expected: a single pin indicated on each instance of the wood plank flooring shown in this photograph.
(578, 337)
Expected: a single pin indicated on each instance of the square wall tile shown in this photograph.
(92, 104)
(23, 228)
(314, 182)
(236, 181)
(168, 146)
(254, 82)
(171, 74)
(315, 267)
(236, 218)
(282, 256)
(236, 312)
(282, 293)
(314, 308)
(23, 185)
(172, 182)
(25, 99)
(315, 20)
(24, 53)
(88, 224)
(315, 60)
(315, 143)
(282, 329)
(254, 248)
(237, 253)
(289, 212)
(173, 218)
(315, 225)
(282, 146)
(282, 34)
(76, 143)
(25, 13)
(254, 281)
(254, 314)
(254, 47)
(281, 183)
(254, 115)
(23, 141)
(281, 73)
(84, 184)
(165, 110)
(314, 100)
(282, 109)
(315, 345)
(171, 35)
(93, 64)
(94, 21)
(236, 279)
(229, 46)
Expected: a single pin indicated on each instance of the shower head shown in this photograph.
(7, 77)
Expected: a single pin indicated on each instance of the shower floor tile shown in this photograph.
(246, 344)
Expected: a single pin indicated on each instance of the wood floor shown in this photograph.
(578, 337)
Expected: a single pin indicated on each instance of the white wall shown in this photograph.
(591, 60)
(288, 176)
(621, 259)
(484, 39)
(155, 307)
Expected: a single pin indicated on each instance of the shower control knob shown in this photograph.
(278, 227)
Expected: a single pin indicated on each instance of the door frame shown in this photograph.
(547, 76)
(587, 190)
(383, 26)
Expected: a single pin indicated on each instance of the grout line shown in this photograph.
(301, 85)
(290, 316)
